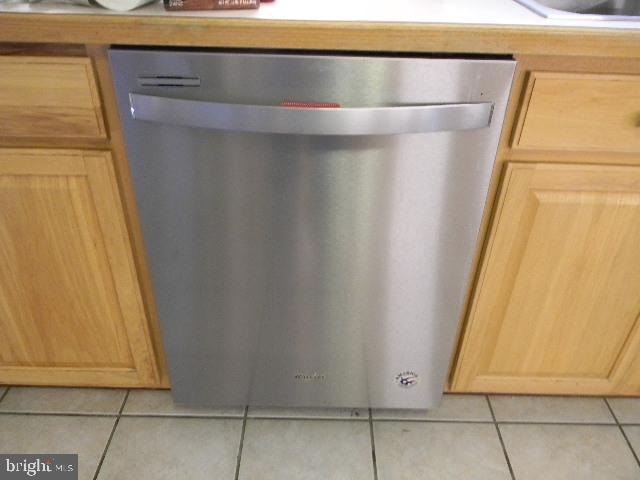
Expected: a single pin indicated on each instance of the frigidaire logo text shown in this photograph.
(40, 466)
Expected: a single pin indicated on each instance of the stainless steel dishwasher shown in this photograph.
(309, 220)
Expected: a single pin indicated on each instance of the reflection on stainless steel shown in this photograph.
(309, 269)
(585, 9)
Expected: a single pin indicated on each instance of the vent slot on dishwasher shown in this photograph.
(167, 81)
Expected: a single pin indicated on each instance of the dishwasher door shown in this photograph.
(309, 220)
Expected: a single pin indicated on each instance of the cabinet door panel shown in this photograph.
(556, 309)
(70, 309)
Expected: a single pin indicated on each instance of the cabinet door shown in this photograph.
(70, 308)
(557, 301)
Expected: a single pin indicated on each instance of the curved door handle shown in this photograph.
(311, 121)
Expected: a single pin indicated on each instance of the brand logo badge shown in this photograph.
(407, 379)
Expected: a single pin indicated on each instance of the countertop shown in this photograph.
(470, 26)
(468, 12)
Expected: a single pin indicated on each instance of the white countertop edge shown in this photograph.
(470, 12)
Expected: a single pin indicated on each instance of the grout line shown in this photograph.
(453, 420)
(434, 420)
(244, 426)
(504, 448)
(124, 402)
(633, 452)
(5, 394)
(373, 446)
(573, 424)
(493, 415)
(331, 419)
(113, 430)
(183, 415)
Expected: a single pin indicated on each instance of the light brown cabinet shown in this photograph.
(631, 381)
(70, 307)
(558, 299)
(556, 304)
(74, 306)
(580, 111)
(49, 97)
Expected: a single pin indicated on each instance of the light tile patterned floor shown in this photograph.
(141, 434)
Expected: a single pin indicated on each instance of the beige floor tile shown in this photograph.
(160, 402)
(633, 434)
(524, 408)
(306, 449)
(309, 413)
(627, 410)
(442, 451)
(2, 390)
(84, 435)
(173, 448)
(452, 407)
(63, 400)
(576, 452)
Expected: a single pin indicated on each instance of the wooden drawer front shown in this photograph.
(49, 97)
(575, 111)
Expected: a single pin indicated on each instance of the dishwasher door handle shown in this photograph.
(311, 121)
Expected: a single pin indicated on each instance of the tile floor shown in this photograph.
(142, 435)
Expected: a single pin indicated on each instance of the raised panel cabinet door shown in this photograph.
(71, 312)
(630, 384)
(558, 297)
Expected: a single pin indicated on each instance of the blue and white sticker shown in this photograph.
(407, 379)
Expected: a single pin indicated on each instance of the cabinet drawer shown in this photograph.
(49, 97)
(576, 111)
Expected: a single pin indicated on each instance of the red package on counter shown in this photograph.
(177, 5)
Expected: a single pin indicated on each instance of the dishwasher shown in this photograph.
(310, 220)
